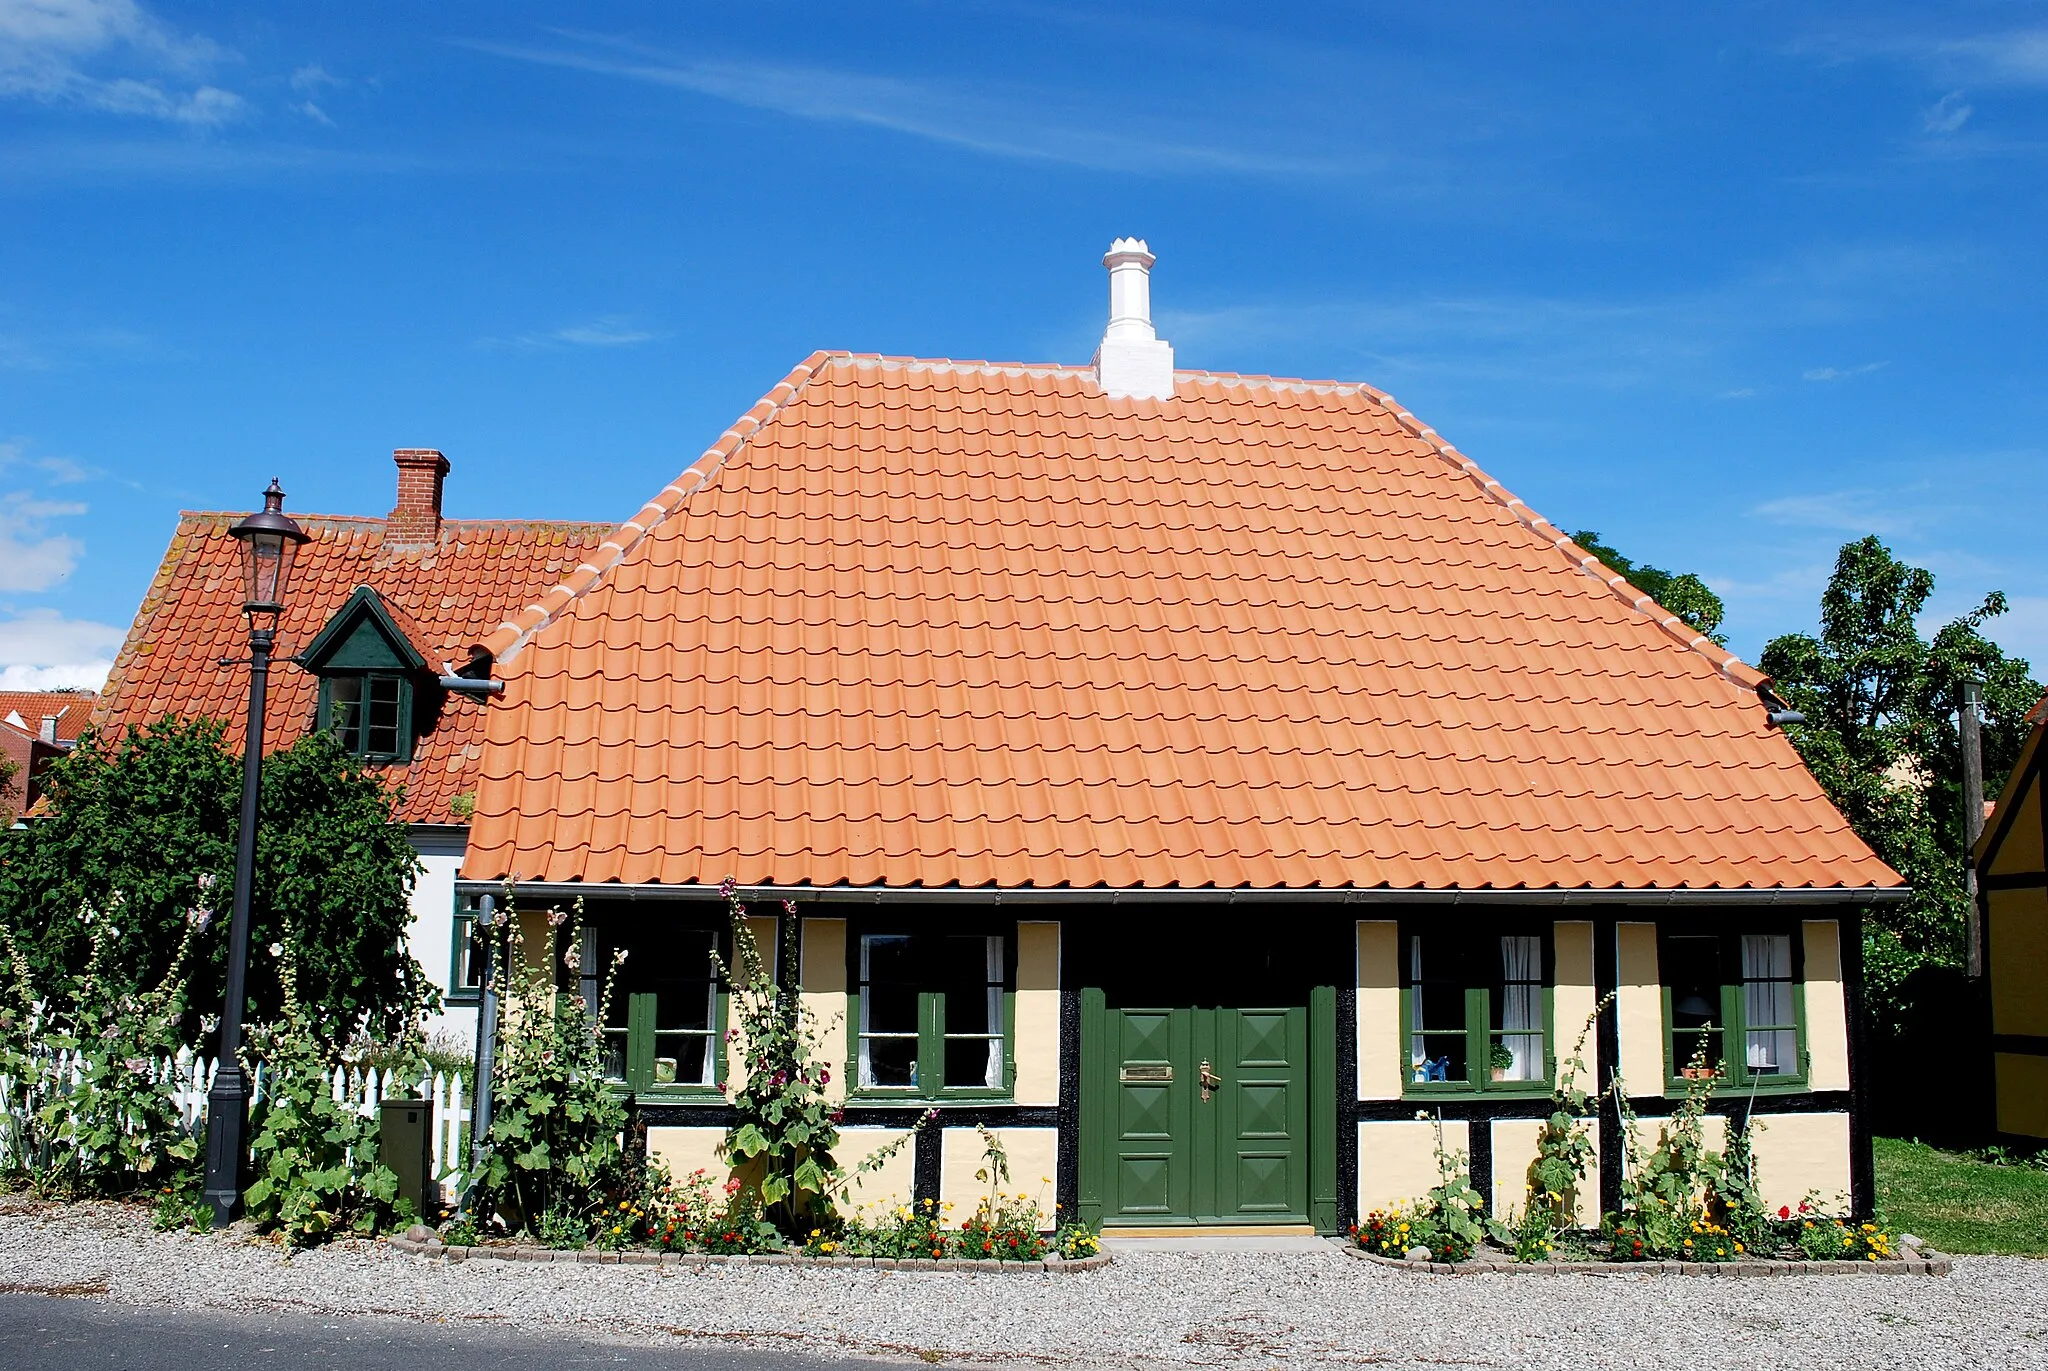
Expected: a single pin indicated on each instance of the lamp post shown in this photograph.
(269, 541)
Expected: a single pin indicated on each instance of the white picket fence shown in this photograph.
(360, 1089)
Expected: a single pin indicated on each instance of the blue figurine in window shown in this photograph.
(1438, 1070)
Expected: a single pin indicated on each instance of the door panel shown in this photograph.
(1261, 1116)
(1239, 1156)
(1152, 1136)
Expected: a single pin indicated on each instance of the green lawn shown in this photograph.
(1960, 1204)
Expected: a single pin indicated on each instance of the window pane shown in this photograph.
(1692, 972)
(971, 979)
(1518, 1010)
(674, 966)
(381, 734)
(1772, 1046)
(344, 704)
(888, 1010)
(1436, 1029)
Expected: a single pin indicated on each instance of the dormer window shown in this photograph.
(374, 680)
(369, 714)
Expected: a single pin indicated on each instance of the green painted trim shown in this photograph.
(408, 737)
(340, 630)
(461, 921)
(1735, 1022)
(1094, 1122)
(931, 1035)
(1322, 1108)
(1479, 1031)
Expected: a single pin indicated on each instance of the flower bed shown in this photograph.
(422, 1241)
(1912, 1261)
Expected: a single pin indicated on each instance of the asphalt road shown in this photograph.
(42, 1333)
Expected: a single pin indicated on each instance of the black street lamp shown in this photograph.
(270, 540)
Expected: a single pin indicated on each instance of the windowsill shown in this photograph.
(885, 1095)
(1775, 1085)
(1428, 1090)
(462, 1000)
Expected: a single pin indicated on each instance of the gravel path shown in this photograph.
(1151, 1309)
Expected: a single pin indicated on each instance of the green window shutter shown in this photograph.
(640, 1041)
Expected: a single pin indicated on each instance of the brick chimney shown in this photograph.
(417, 516)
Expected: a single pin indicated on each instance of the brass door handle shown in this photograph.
(1211, 1082)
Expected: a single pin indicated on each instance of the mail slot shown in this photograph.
(1145, 1073)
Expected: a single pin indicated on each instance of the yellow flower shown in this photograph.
(1555, 1197)
(1738, 1247)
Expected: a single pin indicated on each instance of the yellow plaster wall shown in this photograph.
(1038, 1013)
(1034, 1161)
(1639, 1008)
(1798, 1153)
(2020, 853)
(1379, 1010)
(689, 1149)
(1713, 1130)
(1397, 1159)
(766, 932)
(883, 1189)
(1827, 1010)
(2022, 1093)
(1514, 1151)
(1574, 998)
(823, 977)
(2019, 960)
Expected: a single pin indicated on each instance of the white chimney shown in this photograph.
(1133, 359)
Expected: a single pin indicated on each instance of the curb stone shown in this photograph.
(421, 1241)
(1928, 1263)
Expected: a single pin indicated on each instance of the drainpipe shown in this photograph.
(1968, 706)
(486, 1057)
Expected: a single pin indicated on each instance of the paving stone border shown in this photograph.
(420, 1241)
(1928, 1263)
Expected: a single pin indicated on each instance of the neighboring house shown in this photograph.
(377, 611)
(36, 728)
(2012, 885)
(1205, 781)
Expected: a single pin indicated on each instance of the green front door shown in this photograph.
(1209, 1116)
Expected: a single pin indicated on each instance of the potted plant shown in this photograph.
(1501, 1059)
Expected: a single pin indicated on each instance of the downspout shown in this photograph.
(486, 1059)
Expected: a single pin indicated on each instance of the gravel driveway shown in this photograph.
(1151, 1309)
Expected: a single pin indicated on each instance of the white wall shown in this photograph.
(431, 935)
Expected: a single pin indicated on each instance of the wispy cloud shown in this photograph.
(15, 456)
(1003, 120)
(40, 649)
(2015, 57)
(606, 331)
(1841, 373)
(1855, 511)
(1947, 114)
(114, 57)
(32, 557)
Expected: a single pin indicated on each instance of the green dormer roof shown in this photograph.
(362, 636)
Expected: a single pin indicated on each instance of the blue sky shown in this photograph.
(1730, 284)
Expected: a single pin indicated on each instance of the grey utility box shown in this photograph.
(405, 1143)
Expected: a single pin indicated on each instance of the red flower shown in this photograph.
(1785, 1211)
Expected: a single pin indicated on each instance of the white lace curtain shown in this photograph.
(1772, 1048)
(1521, 1010)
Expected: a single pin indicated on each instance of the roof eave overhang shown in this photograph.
(1787, 898)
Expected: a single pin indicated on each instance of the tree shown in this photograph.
(8, 794)
(1681, 592)
(141, 832)
(1881, 738)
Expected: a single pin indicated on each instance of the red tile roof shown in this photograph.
(919, 623)
(445, 594)
(71, 708)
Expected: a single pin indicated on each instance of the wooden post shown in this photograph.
(1970, 701)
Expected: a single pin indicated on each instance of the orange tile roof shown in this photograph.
(925, 623)
(71, 707)
(446, 595)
